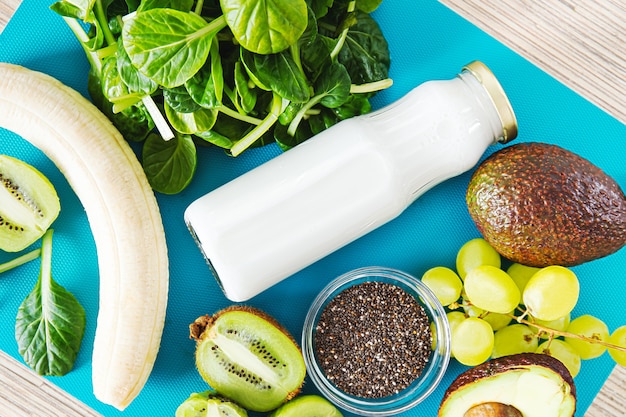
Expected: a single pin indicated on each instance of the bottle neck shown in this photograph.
(497, 96)
(484, 102)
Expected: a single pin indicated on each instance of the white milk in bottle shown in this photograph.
(346, 181)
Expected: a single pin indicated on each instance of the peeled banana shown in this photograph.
(123, 215)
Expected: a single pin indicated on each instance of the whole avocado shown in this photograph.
(539, 204)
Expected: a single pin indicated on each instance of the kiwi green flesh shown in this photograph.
(250, 360)
(535, 389)
(207, 404)
(28, 204)
(307, 406)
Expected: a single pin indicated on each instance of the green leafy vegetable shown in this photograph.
(266, 26)
(50, 322)
(167, 45)
(169, 165)
(236, 74)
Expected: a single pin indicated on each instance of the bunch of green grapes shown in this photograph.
(495, 312)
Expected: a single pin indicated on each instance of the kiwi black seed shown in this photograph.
(247, 356)
(28, 204)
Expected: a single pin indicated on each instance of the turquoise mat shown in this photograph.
(428, 41)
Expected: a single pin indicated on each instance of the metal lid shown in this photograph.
(498, 97)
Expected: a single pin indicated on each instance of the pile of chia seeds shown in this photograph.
(373, 340)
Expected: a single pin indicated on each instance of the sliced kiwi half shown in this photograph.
(28, 204)
(209, 404)
(307, 406)
(247, 356)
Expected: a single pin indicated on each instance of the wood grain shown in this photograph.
(582, 43)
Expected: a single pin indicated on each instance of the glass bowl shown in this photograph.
(430, 376)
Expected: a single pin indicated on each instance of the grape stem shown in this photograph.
(553, 332)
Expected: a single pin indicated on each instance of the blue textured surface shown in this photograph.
(427, 42)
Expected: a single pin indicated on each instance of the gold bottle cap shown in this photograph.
(498, 97)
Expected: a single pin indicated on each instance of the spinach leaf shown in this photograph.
(216, 138)
(365, 52)
(169, 165)
(168, 45)
(50, 322)
(179, 99)
(207, 85)
(332, 90)
(79, 9)
(333, 86)
(134, 80)
(134, 123)
(368, 6)
(280, 73)
(246, 96)
(320, 7)
(189, 123)
(114, 89)
(182, 5)
(265, 26)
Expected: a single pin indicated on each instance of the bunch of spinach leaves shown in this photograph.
(229, 73)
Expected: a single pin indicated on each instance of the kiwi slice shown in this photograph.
(247, 356)
(209, 404)
(307, 406)
(28, 204)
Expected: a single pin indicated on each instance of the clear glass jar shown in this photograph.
(419, 389)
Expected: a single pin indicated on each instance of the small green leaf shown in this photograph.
(169, 165)
(135, 80)
(79, 9)
(207, 85)
(365, 52)
(189, 123)
(334, 85)
(266, 26)
(179, 99)
(280, 73)
(246, 96)
(50, 322)
(167, 45)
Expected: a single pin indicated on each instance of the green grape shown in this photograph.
(618, 338)
(472, 341)
(444, 283)
(564, 352)
(474, 253)
(496, 320)
(592, 327)
(521, 274)
(454, 318)
(559, 324)
(514, 339)
(551, 293)
(491, 289)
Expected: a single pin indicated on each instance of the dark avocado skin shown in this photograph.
(539, 204)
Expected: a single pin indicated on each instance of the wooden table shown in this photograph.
(582, 43)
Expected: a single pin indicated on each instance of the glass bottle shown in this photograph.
(306, 203)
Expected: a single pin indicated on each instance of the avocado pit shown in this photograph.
(493, 409)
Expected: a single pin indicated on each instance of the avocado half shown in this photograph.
(539, 204)
(527, 384)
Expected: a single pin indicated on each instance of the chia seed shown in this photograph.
(373, 340)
